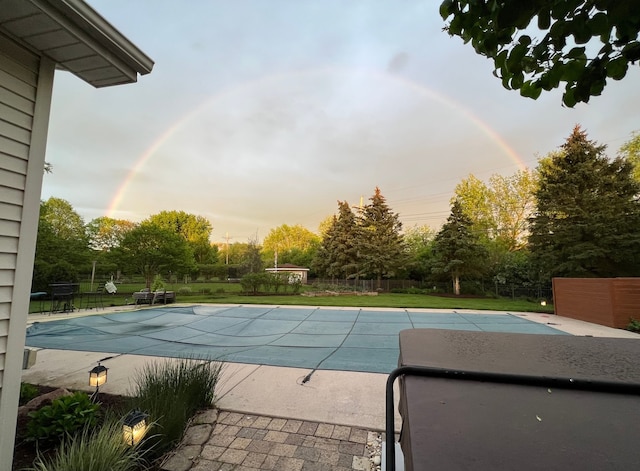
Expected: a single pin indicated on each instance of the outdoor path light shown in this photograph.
(134, 427)
(97, 377)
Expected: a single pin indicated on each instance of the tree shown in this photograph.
(324, 225)
(252, 262)
(457, 248)
(106, 233)
(587, 219)
(62, 252)
(512, 199)
(630, 150)
(196, 230)
(150, 250)
(291, 243)
(380, 248)
(338, 252)
(63, 220)
(419, 242)
(499, 211)
(584, 42)
(234, 252)
(475, 200)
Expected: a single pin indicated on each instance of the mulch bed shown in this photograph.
(25, 452)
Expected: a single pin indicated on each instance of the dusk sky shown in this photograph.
(262, 113)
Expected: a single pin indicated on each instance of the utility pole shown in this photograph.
(227, 248)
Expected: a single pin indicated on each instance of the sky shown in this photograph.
(261, 113)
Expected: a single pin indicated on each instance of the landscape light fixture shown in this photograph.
(134, 427)
(97, 377)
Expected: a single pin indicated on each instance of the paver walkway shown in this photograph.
(225, 441)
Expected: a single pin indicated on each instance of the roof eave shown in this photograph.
(80, 17)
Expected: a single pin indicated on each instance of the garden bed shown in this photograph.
(25, 452)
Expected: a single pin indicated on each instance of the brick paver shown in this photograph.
(253, 443)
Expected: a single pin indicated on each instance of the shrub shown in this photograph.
(27, 392)
(63, 418)
(158, 283)
(99, 450)
(252, 282)
(634, 325)
(185, 291)
(296, 285)
(171, 392)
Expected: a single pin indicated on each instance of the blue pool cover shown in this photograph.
(304, 337)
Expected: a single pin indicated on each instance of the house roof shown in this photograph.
(76, 37)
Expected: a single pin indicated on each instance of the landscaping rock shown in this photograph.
(42, 400)
(177, 462)
(197, 434)
(209, 416)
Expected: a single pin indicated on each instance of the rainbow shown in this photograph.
(413, 86)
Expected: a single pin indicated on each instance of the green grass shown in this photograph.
(231, 293)
(390, 300)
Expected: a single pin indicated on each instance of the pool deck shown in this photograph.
(335, 398)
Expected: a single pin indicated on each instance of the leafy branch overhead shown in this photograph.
(540, 44)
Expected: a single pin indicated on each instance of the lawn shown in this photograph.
(231, 293)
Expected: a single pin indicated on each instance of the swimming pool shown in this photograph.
(346, 339)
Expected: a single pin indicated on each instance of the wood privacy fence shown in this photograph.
(605, 301)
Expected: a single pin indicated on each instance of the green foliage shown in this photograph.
(185, 291)
(338, 252)
(369, 244)
(149, 249)
(296, 285)
(64, 221)
(27, 392)
(158, 283)
(457, 249)
(630, 151)
(570, 29)
(252, 282)
(171, 392)
(285, 238)
(62, 245)
(101, 449)
(106, 233)
(419, 246)
(381, 248)
(195, 230)
(500, 210)
(634, 325)
(252, 261)
(587, 220)
(64, 417)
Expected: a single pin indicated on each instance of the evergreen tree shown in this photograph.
(338, 253)
(457, 249)
(381, 246)
(587, 220)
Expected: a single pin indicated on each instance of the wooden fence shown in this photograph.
(606, 301)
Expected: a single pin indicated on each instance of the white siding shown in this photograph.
(25, 94)
(18, 85)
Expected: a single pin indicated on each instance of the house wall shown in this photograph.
(605, 301)
(26, 82)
